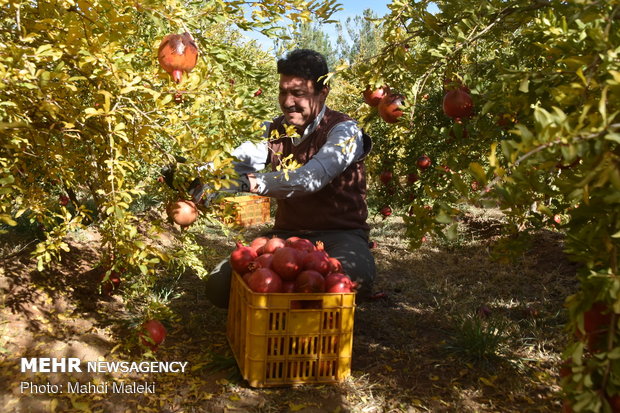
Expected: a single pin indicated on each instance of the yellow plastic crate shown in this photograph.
(248, 209)
(276, 343)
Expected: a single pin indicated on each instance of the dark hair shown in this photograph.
(307, 64)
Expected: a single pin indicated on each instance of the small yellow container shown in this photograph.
(249, 210)
(289, 339)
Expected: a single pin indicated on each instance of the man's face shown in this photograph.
(299, 102)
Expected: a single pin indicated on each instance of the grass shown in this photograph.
(479, 337)
(425, 347)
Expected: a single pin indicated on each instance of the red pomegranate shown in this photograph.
(286, 263)
(152, 333)
(288, 286)
(423, 162)
(183, 213)
(337, 277)
(385, 177)
(177, 54)
(301, 244)
(265, 280)
(262, 261)
(257, 243)
(339, 287)
(389, 108)
(111, 284)
(596, 322)
(309, 281)
(457, 103)
(373, 98)
(241, 258)
(318, 261)
(273, 244)
(334, 265)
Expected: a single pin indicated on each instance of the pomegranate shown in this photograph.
(111, 284)
(596, 322)
(241, 258)
(385, 177)
(389, 108)
(412, 178)
(386, 211)
(318, 261)
(373, 98)
(423, 162)
(290, 239)
(183, 213)
(457, 103)
(301, 244)
(337, 277)
(262, 261)
(265, 280)
(272, 245)
(285, 262)
(309, 281)
(339, 287)
(288, 286)
(257, 243)
(152, 333)
(334, 265)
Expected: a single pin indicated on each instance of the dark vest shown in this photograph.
(341, 204)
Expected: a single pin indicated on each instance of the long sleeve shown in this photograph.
(344, 146)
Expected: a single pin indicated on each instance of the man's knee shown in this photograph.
(218, 284)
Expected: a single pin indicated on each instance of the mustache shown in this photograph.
(291, 109)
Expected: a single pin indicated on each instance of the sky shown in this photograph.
(350, 8)
(355, 7)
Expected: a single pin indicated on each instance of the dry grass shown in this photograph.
(406, 354)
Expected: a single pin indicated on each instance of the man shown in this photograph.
(325, 198)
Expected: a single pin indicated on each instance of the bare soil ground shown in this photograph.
(410, 349)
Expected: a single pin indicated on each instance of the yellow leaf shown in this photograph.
(53, 405)
(433, 377)
(492, 157)
(489, 381)
(296, 407)
(234, 397)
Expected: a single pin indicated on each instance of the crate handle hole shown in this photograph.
(306, 304)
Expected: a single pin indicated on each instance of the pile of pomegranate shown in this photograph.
(292, 265)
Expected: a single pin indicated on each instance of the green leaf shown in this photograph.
(613, 136)
(443, 217)
(478, 172)
(452, 232)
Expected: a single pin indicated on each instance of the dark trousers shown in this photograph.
(350, 247)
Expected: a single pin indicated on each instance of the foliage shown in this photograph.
(542, 144)
(88, 119)
(359, 37)
(306, 35)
